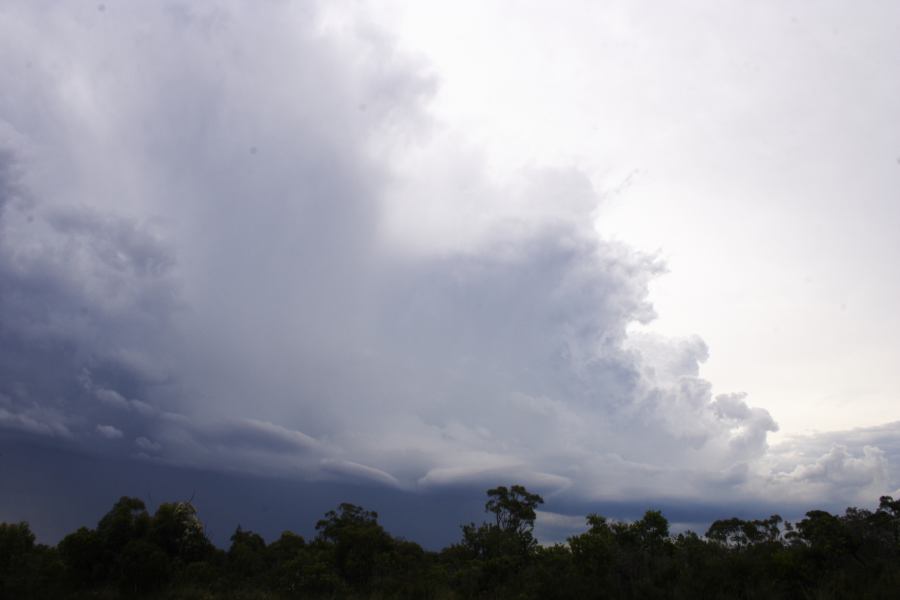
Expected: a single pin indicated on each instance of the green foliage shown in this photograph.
(177, 529)
(247, 555)
(83, 558)
(16, 540)
(358, 540)
(132, 552)
(142, 567)
(493, 558)
(739, 534)
(27, 570)
(513, 508)
(133, 555)
(128, 520)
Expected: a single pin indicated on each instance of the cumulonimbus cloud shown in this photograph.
(230, 237)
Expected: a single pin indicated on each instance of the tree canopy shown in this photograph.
(133, 554)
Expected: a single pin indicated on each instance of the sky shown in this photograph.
(628, 256)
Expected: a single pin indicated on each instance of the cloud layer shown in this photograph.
(233, 239)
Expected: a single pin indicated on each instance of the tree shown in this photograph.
(593, 550)
(737, 533)
(247, 554)
(142, 567)
(16, 548)
(347, 518)
(357, 539)
(82, 555)
(126, 521)
(513, 508)
(652, 529)
(492, 556)
(177, 529)
(16, 540)
(123, 526)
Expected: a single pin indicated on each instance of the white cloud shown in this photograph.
(839, 467)
(854, 466)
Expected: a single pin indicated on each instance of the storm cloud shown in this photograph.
(233, 238)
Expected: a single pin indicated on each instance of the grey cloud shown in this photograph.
(113, 244)
(840, 467)
(35, 420)
(551, 527)
(278, 312)
(147, 445)
(357, 471)
(70, 305)
(854, 466)
(110, 432)
(749, 425)
(262, 434)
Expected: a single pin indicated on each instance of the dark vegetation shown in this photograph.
(133, 554)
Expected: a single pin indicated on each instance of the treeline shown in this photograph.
(133, 554)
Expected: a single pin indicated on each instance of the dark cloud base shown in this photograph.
(58, 490)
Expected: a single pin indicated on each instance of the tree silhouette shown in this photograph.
(513, 508)
(133, 555)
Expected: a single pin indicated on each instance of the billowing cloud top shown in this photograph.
(233, 238)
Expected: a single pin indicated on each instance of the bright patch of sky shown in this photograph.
(754, 147)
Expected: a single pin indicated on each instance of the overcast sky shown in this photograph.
(620, 253)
